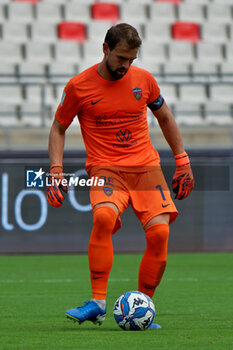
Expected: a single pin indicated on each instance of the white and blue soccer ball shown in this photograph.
(134, 311)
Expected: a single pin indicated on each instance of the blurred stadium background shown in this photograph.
(187, 45)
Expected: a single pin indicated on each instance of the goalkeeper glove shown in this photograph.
(183, 181)
(54, 191)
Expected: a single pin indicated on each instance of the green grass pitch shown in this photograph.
(194, 303)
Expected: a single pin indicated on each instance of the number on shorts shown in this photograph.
(159, 187)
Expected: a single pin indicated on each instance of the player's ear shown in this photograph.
(105, 48)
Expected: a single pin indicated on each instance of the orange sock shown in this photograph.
(100, 251)
(154, 260)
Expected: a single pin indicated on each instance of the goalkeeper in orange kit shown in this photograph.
(110, 100)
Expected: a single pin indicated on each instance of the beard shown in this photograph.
(117, 73)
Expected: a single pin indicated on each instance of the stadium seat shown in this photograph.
(15, 32)
(189, 12)
(8, 115)
(226, 71)
(229, 51)
(151, 66)
(190, 119)
(88, 2)
(223, 2)
(11, 94)
(218, 113)
(10, 52)
(67, 51)
(193, 93)
(105, 11)
(137, 2)
(87, 63)
(48, 12)
(35, 93)
(221, 93)
(33, 115)
(32, 72)
(187, 113)
(151, 120)
(61, 72)
(156, 53)
(219, 13)
(2, 13)
(186, 31)
(204, 71)
(231, 31)
(61, 2)
(93, 50)
(38, 52)
(119, 2)
(5, 2)
(72, 31)
(133, 14)
(96, 30)
(140, 28)
(176, 71)
(8, 72)
(181, 52)
(31, 1)
(169, 92)
(214, 32)
(162, 12)
(200, 2)
(157, 32)
(21, 12)
(44, 32)
(175, 2)
(77, 12)
(30, 114)
(209, 52)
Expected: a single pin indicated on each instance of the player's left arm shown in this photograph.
(183, 181)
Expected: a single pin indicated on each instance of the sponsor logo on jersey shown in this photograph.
(137, 92)
(117, 118)
(124, 135)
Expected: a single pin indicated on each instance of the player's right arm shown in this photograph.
(56, 148)
(66, 111)
(56, 142)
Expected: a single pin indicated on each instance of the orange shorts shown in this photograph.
(146, 191)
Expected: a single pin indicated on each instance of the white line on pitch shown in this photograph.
(59, 280)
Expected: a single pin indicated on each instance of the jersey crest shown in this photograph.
(137, 92)
(108, 191)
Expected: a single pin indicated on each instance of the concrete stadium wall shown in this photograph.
(29, 225)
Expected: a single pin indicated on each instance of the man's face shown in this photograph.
(119, 59)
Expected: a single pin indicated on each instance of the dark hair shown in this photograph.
(122, 32)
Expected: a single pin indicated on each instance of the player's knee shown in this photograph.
(104, 219)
